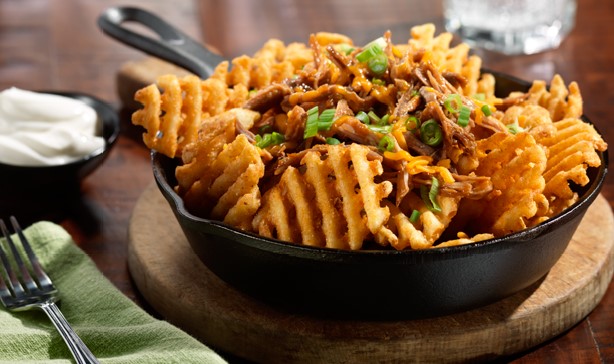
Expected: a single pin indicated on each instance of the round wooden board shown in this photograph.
(175, 282)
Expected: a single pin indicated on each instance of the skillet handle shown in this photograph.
(173, 45)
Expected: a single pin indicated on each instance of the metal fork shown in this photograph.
(21, 292)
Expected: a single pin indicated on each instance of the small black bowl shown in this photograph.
(22, 178)
(45, 192)
(380, 283)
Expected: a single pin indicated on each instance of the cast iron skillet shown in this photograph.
(365, 284)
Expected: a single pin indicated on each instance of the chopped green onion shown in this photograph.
(383, 129)
(430, 133)
(386, 144)
(345, 48)
(384, 119)
(414, 93)
(316, 122)
(429, 196)
(311, 126)
(486, 110)
(373, 116)
(368, 53)
(378, 81)
(363, 117)
(480, 96)
(463, 116)
(378, 64)
(371, 50)
(414, 216)
(514, 128)
(326, 119)
(265, 129)
(332, 141)
(269, 139)
(453, 103)
(412, 119)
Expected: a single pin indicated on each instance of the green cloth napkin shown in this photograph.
(114, 328)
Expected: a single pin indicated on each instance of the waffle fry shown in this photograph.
(227, 190)
(572, 149)
(560, 101)
(347, 200)
(515, 164)
(424, 232)
(172, 119)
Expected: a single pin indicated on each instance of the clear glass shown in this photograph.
(511, 26)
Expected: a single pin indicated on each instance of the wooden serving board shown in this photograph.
(175, 282)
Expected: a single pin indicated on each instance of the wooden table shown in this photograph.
(56, 46)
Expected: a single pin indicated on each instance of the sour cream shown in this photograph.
(38, 129)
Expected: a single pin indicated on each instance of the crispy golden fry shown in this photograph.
(215, 132)
(170, 121)
(486, 86)
(437, 50)
(515, 164)
(560, 102)
(347, 207)
(227, 187)
(464, 239)
(533, 119)
(423, 233)
(572, 149)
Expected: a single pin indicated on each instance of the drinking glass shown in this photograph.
(511, 26)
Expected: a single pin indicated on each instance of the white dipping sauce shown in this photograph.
(38, 129)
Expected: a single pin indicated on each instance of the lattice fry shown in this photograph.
(227, 186)
(560, 101)
(572, 149)
(348, 203)
(423, 233)
(172, 118)
(515, 164)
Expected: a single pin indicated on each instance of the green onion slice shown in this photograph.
(345, 48)
(373, 116)
(265, 129)
(514, 128)
(486, 110)
(412, 122)
(430, 133)
(316, 122)
(332, 141)
(326, 119)
(386, 144)
(463, 116)
(415, 215)
(311, 126)
(378, 64)
(269, 139)
(383, 129)
(378, 81)
(453, 103)
(363, 117)
(429, 196)
(372, 49)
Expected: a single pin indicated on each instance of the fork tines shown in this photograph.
(41, 285)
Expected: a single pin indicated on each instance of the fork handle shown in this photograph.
(77, 347)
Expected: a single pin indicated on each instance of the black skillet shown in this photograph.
(365, 284)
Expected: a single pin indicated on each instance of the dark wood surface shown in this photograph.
(56, 45)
